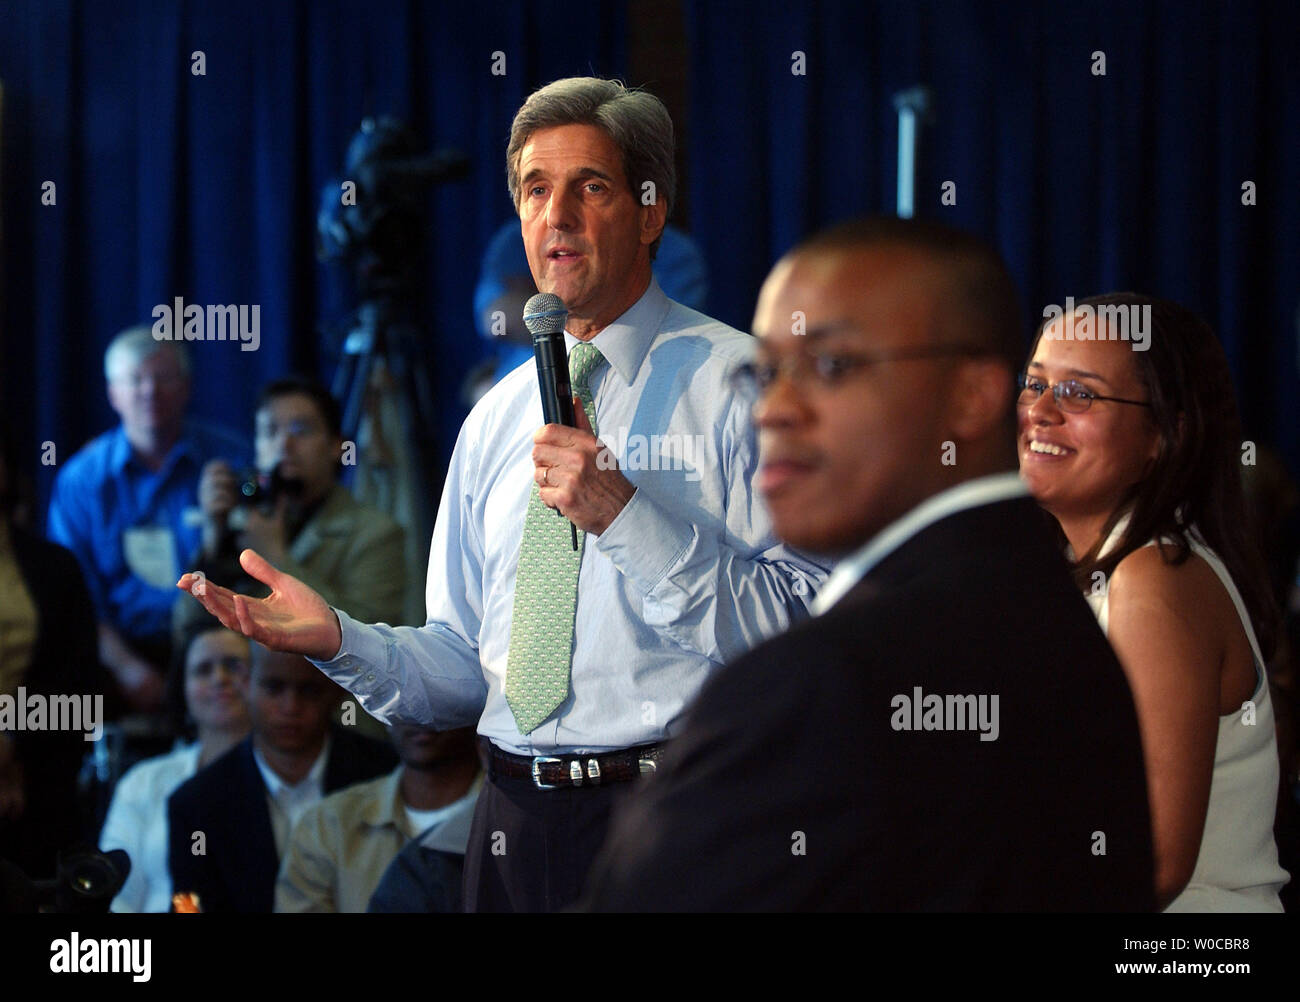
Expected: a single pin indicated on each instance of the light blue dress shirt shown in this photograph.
(688, 576)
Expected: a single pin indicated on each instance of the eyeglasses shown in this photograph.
(293, 429)
(1071, 395)
(828, 370)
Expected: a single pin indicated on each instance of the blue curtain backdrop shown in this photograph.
(206, 187)
(1087, 183)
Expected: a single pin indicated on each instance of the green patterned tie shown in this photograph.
(546, 590)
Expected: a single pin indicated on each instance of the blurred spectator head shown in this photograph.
(298, 427)
(289, 701)
(505, 284)
(148, 383)
(208, 686)
(424, 748)
(867, 290)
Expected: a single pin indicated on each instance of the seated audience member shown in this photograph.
(47, 648)
(127, 506)
(951, 731)
(341, 847)
(1137, 456)
(213, 678)
(229, 825)
(310, 526)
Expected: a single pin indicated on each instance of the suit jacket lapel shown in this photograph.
(254, 834)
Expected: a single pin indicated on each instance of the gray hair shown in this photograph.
(635, 120)
(137, 343)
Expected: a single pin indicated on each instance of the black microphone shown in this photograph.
(544, 316)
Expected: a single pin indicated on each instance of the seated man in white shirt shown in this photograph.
(230, 823)
(341, 846)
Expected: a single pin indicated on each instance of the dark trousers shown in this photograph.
(529, 849)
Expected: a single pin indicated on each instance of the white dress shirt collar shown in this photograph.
(296, 798)
(968, 494)
(626, 342)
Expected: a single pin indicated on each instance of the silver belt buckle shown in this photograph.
(538, 762)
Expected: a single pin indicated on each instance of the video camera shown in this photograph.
(86, 883)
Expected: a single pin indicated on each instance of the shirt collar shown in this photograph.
(452, 833)
(120, 452)
(968, 494)
(390, 809)
(275, 786)
(626, 342)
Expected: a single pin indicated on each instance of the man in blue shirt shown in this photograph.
(126, 505)
(676, 569)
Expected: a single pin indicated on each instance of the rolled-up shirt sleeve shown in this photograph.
(710, 597)
(717, 590)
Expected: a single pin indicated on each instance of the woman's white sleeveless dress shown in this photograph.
(1237, 868)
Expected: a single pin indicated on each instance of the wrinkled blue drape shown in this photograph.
(1132, 180)
(206, 187)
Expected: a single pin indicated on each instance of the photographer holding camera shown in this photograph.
(292, 509)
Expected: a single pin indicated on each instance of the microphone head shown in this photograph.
(544, 315)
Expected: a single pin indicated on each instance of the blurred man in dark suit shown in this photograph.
(230, 823)
(951, 732)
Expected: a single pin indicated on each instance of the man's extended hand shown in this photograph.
(589, 491)
(293, 618)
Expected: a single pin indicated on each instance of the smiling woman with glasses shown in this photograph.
(1136, 456)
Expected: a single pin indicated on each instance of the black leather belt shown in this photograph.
(556, 772)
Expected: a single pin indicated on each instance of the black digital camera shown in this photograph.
(262, 490)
